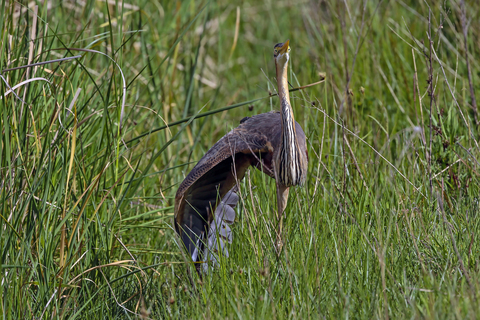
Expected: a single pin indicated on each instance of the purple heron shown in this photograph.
(272, 142)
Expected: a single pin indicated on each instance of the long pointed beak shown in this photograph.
(284, 48)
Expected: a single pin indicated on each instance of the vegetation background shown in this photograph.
(94, 147)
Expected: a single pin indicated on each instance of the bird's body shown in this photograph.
(272, 142)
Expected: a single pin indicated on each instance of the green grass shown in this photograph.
(387, 225)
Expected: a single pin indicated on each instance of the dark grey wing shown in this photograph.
(213, 176)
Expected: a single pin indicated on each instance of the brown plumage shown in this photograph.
(272, 142)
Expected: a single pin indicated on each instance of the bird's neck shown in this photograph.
(286, 109)
(289, 155)
(282, 82)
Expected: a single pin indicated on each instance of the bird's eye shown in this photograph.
(288, 49)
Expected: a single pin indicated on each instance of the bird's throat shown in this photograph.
(282, 82)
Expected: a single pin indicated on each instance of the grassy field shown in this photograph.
(93, 148)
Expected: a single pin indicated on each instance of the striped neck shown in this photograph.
(289, 158)
(288, 120)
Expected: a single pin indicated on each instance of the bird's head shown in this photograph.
(281, 53)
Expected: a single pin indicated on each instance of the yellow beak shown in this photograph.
(284, 48)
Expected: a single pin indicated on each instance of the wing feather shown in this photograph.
(213, 176)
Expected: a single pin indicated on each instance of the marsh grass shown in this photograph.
(386, 225)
